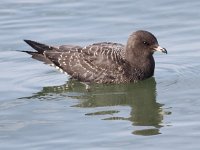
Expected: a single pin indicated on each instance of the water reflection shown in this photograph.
(146, 114)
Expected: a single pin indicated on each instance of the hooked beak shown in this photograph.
(160, 49)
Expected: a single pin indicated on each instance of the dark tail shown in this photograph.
(38, 46)
(40, 49)
(38, 56)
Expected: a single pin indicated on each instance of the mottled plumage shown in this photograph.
(104, 62)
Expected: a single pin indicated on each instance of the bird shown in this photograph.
(103, 62)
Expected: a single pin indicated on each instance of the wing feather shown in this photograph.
(99, 62)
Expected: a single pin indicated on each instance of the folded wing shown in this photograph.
(99, 62)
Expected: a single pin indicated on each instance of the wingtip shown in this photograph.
(35, 45)
(28, 41)
(39, 46)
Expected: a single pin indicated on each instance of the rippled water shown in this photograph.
(42, 109)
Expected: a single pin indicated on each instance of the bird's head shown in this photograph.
(144, 42)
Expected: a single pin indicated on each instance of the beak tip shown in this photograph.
(164, 50)
(161, 49)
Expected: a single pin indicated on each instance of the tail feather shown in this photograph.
(38, 56)
(39, 46)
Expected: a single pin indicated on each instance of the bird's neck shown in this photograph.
(141, 61)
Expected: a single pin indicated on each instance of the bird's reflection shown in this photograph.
(146, 114)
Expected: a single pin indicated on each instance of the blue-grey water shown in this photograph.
(41, 108)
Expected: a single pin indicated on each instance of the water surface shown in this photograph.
(43, 109)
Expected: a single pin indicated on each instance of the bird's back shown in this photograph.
(99, 62)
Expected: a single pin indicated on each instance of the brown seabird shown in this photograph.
(104, 62)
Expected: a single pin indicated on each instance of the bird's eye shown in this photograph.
(145, 43)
